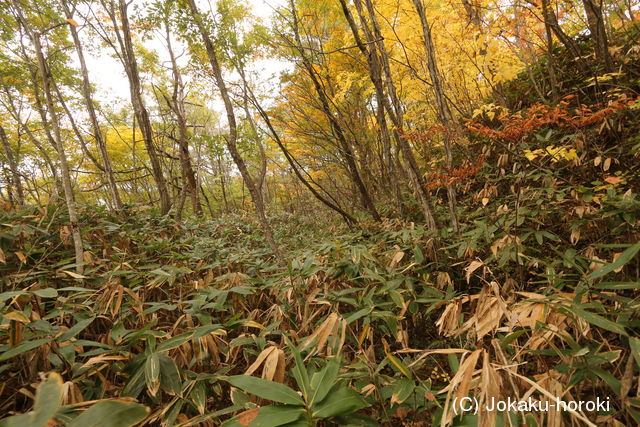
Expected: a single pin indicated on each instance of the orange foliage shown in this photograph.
(429, 133)
(453, 175)
(516, 126)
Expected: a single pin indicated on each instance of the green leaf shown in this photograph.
(634, 343)
(22, 348)
(611, 381)
(624, 258)
(198, 396)
(597, 320)
(48, 400)
(341, 400)
(7, 295)
(75, 329)
(170, 379)
(152, 374)
(357, 315)
(135, 385)
(397, 363)
(299, 370)
(271, 416)
(617, 285)
(402, 389)
(322, 381)
(418, 255)
(266, 389)
(178, 340)
(111, 413)
(46, 293)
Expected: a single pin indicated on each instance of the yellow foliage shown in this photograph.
(556, 153)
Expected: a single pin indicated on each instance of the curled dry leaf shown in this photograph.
(471, 268)
(333, 326)
(395, 260)
(22, 257)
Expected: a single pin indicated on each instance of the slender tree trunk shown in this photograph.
(52, 167)
(595, 18)
(16, 182)
(375, 74)
(473, 13)
(444, 114)
(396, 114)
(131, 67)
(263, 155)
(64, 166)
(347, 150)
(233, 131)
(177, 105)
(88, 99)
(550, 58)
(223, 186)
(552, 20)
(292, 162)
(379, 67)
(47, 130)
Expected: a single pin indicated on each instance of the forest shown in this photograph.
(319, 213)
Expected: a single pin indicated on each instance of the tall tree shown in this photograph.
(129, 61)
(16, 181)
(177, 105)
(444, 113)
(45, 80)
(336, 126)
(379, 71)
(87, 94)
(232, 137)
(598, 33)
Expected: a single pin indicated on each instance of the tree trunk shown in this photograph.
(177, 105)
(233, 131)
(335, 125)
(52, 167)
(375, 74)
(223, 186)
(391, 102)
(597, 30)
(64, 166)
(551, 19)
(16, 182)
(131, 68)
(444, 114)
(292, 162)
(550, 58)
(88, 99)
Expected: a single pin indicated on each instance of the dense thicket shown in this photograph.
(429, 201)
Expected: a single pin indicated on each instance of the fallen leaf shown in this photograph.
(245, 418)
(22, 257)
(75, 275)
(613, 179)
(16, 316)
(471, 268)
(401, 413)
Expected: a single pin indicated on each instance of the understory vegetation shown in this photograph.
(508, 269)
